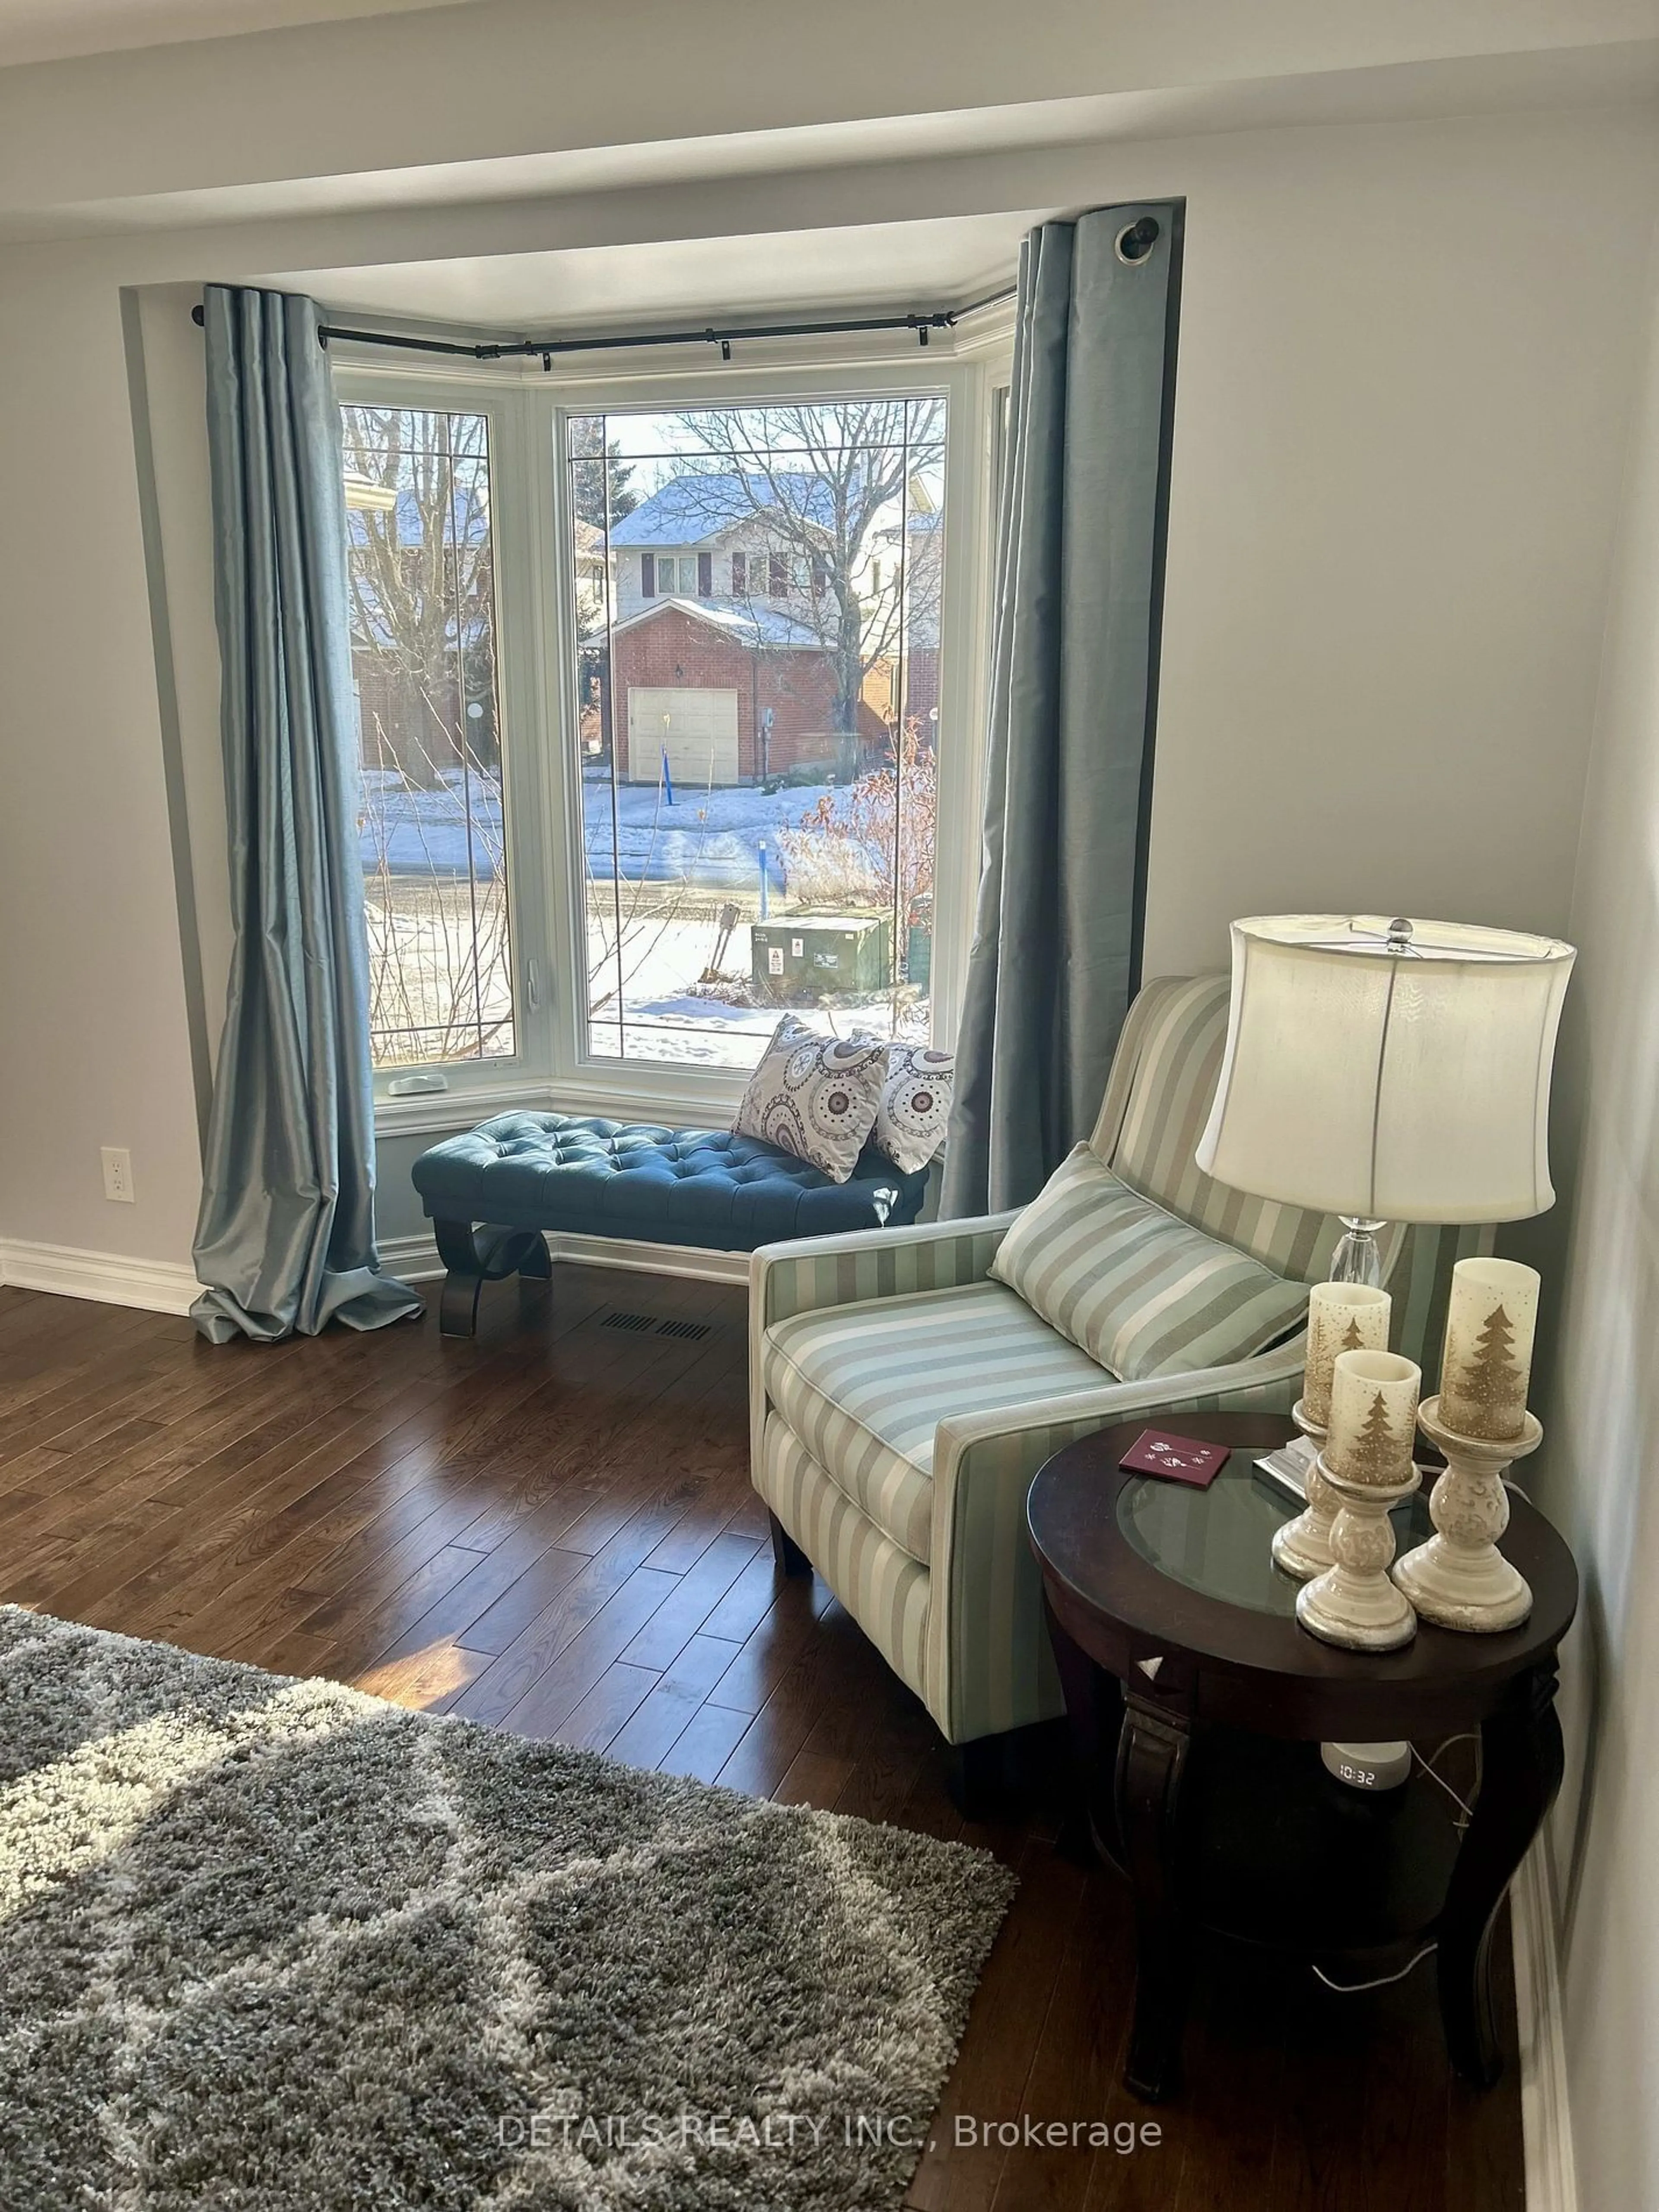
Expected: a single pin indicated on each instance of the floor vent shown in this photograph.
(690, 1329)
(634, 1322)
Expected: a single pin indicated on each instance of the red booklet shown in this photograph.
(1183, 1459)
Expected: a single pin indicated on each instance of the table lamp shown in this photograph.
(1388, 1070)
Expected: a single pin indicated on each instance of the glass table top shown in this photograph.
(1218, 1540)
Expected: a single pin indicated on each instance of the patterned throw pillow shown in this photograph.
(916, 1105)
(1141, 1293)
(815, 1096)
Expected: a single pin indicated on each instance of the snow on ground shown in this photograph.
(665, 1021)
(680, 1030)
(709, 839)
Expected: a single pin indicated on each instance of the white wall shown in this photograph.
(93, 1034)
(167, 368)
(1404, 374)
(1598, 1473)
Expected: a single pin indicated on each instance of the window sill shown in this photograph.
(709, 1104)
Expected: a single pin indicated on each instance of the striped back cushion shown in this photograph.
(1158, 1098)
(1141, 1293)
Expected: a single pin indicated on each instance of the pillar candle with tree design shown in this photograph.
(1373, 1418)
(1341, 1318)
(1487, 1359)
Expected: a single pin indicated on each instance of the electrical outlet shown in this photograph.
(118, 1173)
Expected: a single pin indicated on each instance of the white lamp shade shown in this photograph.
(1390, 1084)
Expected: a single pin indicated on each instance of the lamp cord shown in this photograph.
(1380, 1981)
(1429, 1767)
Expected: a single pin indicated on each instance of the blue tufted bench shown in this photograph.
(493, 1193)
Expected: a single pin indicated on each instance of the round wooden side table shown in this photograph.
(1197, 1705)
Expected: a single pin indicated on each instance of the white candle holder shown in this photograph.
(1459, 1578)
(1353, 1602)
(1302, 1546)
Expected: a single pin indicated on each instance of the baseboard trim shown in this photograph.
(170, 1286)
(1546, 2119)
(415, 1259)
(167, 1286)
(412, 1259)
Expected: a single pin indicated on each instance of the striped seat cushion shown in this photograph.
(864, 1386)
(1141, 1293)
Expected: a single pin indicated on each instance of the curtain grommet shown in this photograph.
(1135, 241)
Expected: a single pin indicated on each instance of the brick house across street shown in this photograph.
(723, 644)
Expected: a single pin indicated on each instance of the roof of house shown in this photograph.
(466, 521)
(766, 627)
(689, 510)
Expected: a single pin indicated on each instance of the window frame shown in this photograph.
(500, 1077)
(535, 649)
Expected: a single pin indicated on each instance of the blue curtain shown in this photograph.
(286, 1238)
(1056, 950)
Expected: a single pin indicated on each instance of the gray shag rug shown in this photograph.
(273, 1946)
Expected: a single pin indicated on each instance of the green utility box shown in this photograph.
(822, 956)
(919, 957)
(919, 942)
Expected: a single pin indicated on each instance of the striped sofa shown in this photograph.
(901, 1401)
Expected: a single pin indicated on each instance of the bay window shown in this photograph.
(669, 691)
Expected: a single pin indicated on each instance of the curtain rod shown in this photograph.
(501, 349)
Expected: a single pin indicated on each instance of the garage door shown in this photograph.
(698, 729)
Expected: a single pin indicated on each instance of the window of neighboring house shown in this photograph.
(421, 562)
(649, 575)
(759, 832)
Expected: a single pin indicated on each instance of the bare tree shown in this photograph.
(423, 587)
(421, 609)
(824, 485)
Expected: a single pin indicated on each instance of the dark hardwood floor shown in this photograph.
(550, 1529)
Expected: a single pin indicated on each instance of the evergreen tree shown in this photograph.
(1375, 1456)
(1352, 1341)
(599, 478)
(1490, 1388)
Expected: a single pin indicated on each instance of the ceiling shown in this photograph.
(633, 163)
(54, 30)
(922, 265)
(1493, 84)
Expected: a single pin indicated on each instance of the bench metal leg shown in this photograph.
(474, 1257)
